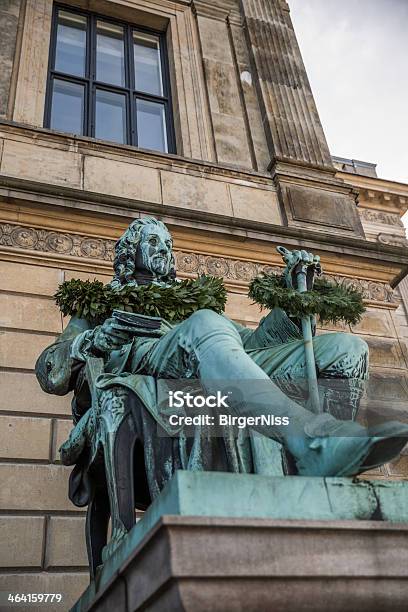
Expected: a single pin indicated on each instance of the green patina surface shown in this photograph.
(214, 494)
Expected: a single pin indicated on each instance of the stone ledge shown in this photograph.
(22, 191)
(87, 145)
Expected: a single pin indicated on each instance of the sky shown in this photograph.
(356, 56)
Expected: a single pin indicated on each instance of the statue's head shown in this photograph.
(144, 251)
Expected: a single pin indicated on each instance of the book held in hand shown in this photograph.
(142, 325)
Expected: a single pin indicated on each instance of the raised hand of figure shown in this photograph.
(300, 262)
(111, 335)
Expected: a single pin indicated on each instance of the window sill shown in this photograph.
(84, 144)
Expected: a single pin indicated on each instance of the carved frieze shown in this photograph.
(392, 239)
(102, 250)
(230, 269)
(379, 217)
(75, 245)
(372, 290)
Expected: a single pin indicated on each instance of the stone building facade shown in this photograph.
(249, 169)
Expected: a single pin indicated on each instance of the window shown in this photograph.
(109, 80)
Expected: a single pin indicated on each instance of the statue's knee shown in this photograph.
(352, 355)
(208, 324)
(205, 317)
(208, 320)
(352, 344)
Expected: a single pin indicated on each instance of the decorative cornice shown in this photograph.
(234, 271)
(381, 193)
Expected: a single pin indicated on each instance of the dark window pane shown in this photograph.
(148, 76)
(71, 43)
(110, 121)
(67, 111)
(151, 125)
(110, 54)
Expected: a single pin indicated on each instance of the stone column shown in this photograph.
(300, 158)
(289, 112)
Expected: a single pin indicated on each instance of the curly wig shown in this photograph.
(124, 263)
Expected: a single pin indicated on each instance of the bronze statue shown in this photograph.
(124, 446)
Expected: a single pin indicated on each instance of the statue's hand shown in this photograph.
(300, 262)
(110, 336)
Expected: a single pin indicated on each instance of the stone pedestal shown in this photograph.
(227, 542)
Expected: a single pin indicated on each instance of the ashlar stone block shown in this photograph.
(21, 350)
(34, 487)
(255, 204)
(41, 163)
(126, 180)
(195, 193)
(29, 313)
(24, 438)
(66, 545)
(21, 392)
(21, 541)
(25, 278)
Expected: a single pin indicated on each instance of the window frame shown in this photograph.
(91, 84)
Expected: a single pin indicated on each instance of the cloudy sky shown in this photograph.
(356, 55)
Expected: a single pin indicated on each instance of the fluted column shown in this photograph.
(310, 195)
(289, 112)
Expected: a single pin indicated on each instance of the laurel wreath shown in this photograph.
(329, 301)
(95, 301)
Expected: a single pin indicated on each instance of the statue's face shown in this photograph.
(155, 250)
